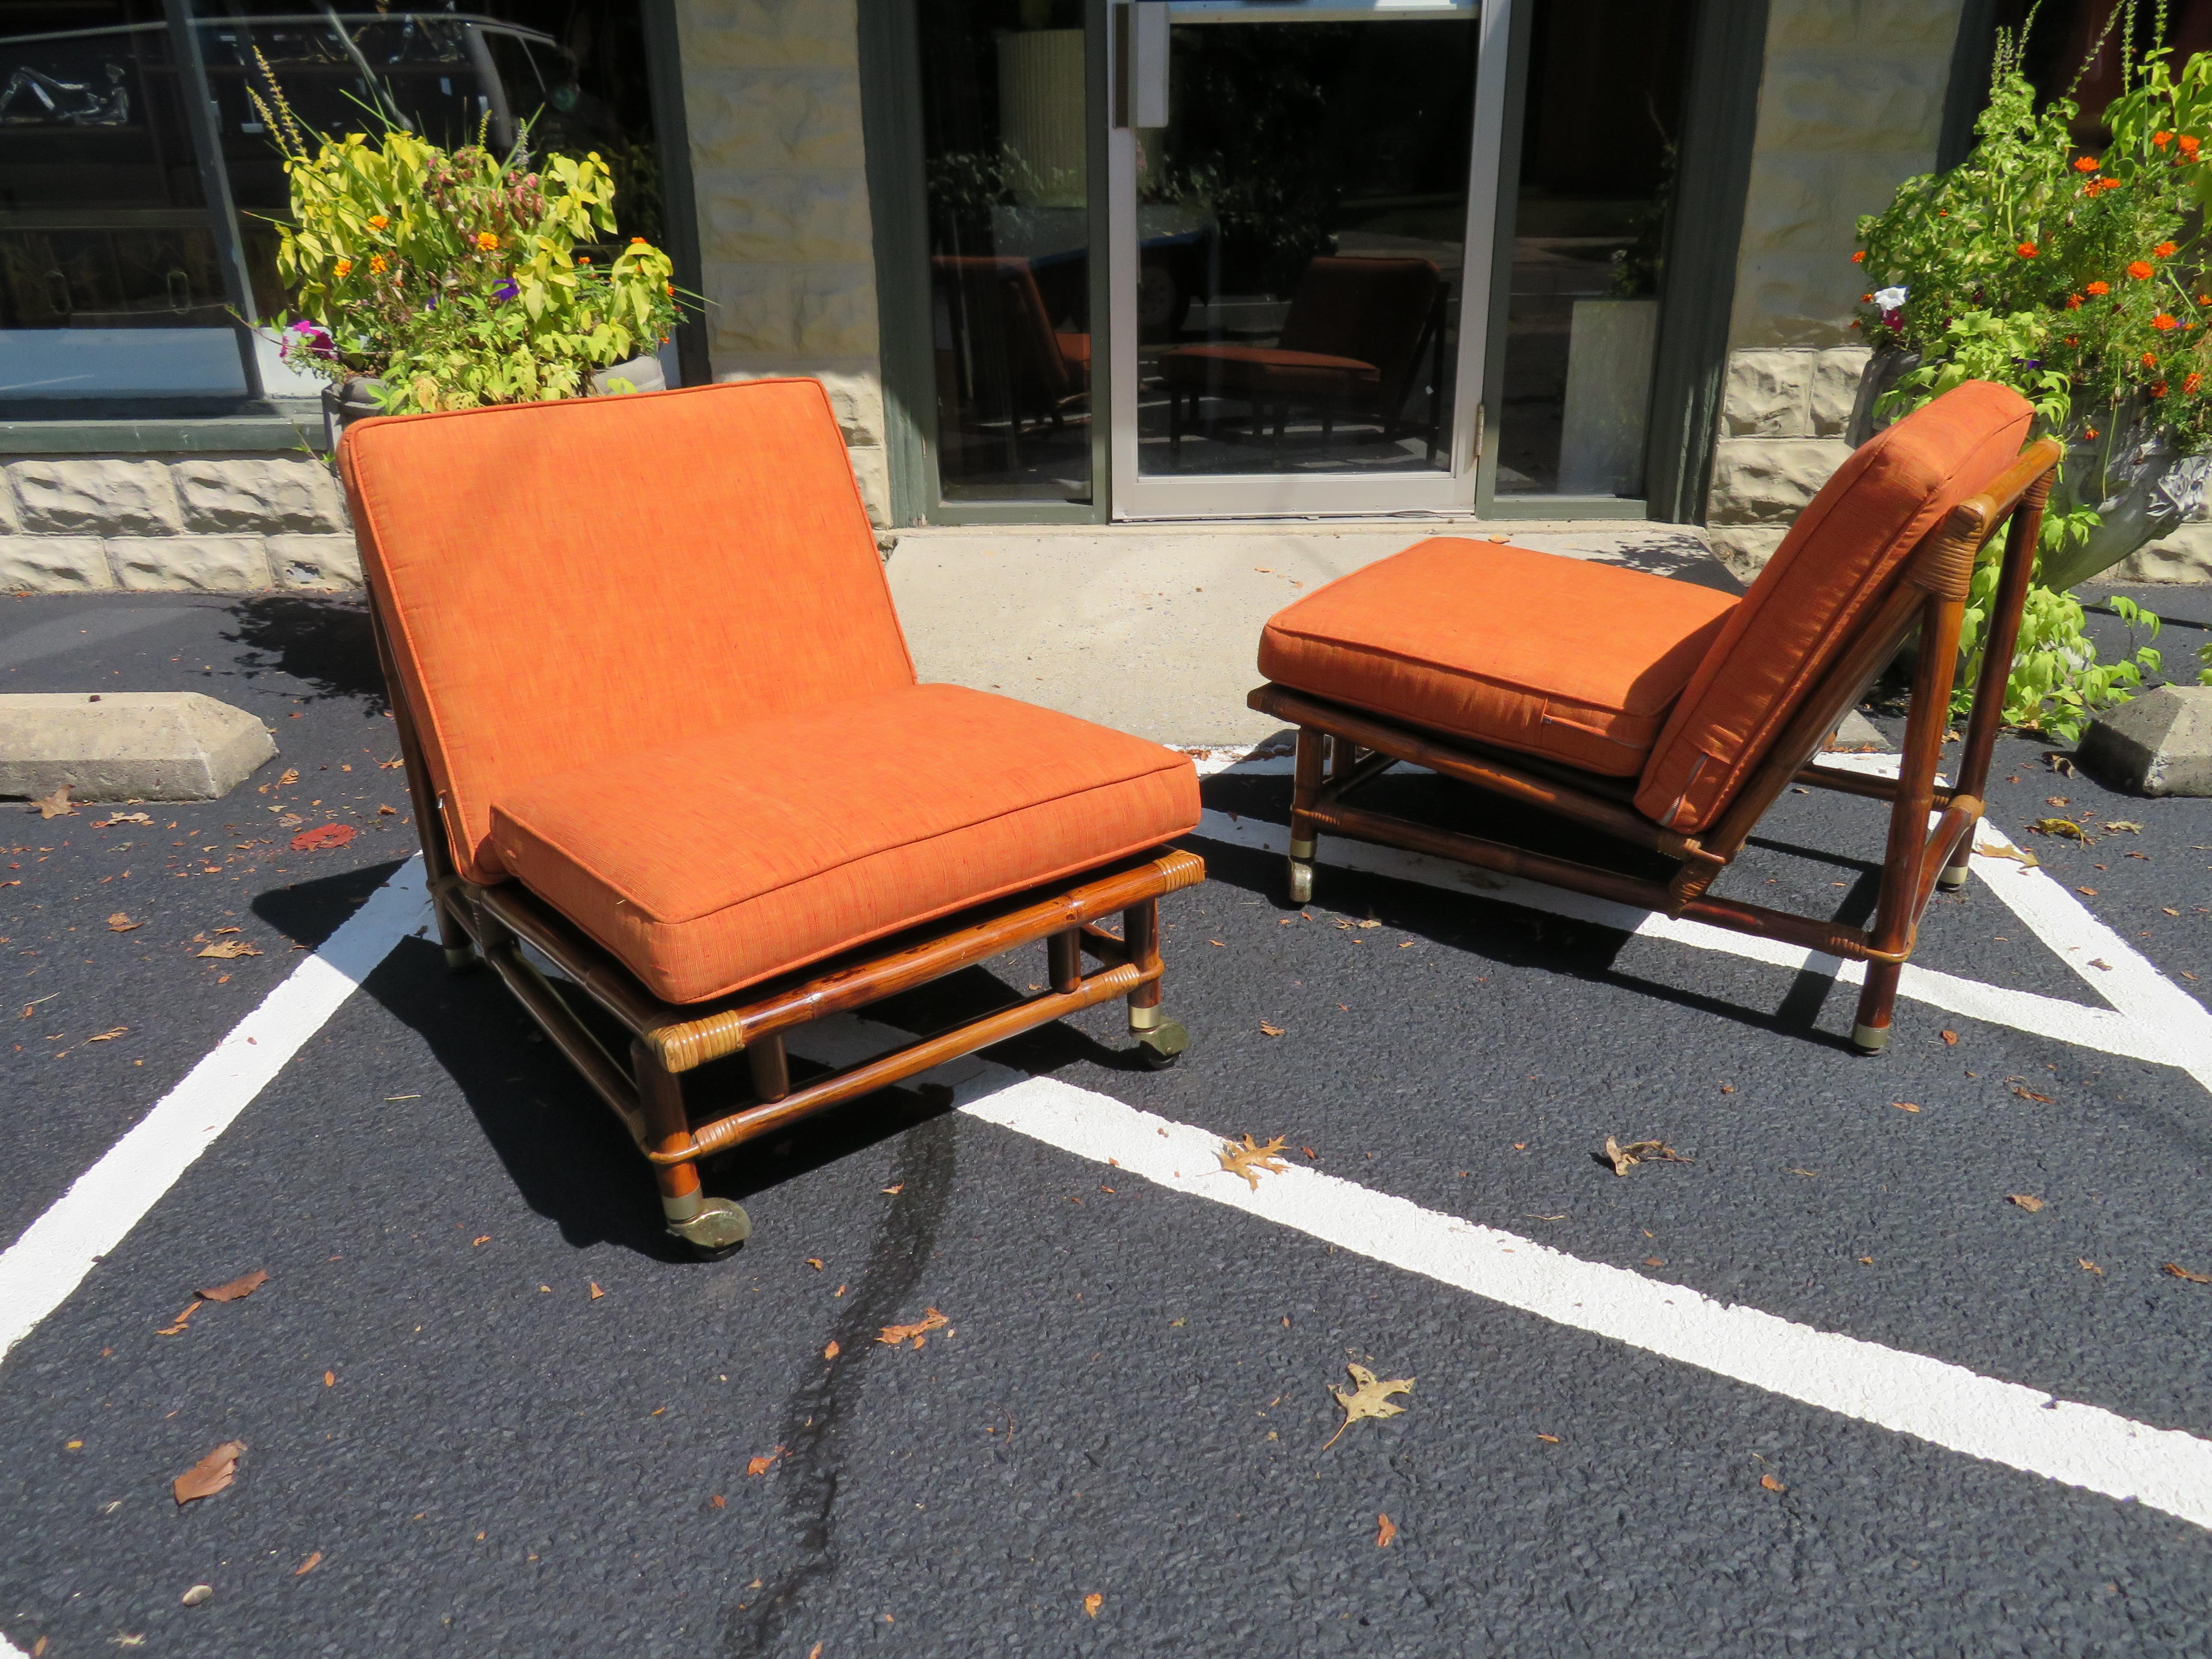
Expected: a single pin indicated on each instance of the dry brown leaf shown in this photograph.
(108, 1036)
(227, 950)
(596, 1292)
(1370, 1398)
(1251, 1157)
(815, 1263)
(2180, 1272)
(1092, 1603)
(2018, 855)
(209, 1475)
(1951, 1039)
(1385, 1530)
(480, 1238)
(2086, 892)
(291, 775)
(56, 806)
(2029, 1094)
(1549, 1439)
(1772, 1484)
(2065, 829)
(176, 1328)
(2123, 827)
(931, 1320)
(2089, 1267)
(330, 1379)
(120, 923)
(1267, 1030)
(308, 1565)
(831, 1351)
(895, 1191)
(237, 1290)
(2061, 764)
(1905, 1105)
(1625, 1158)
(719, 1502)
(2027, 1202)
(763, 1465)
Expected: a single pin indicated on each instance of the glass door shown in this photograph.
(1301, 198)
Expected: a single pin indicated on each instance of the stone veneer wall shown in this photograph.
(1849, 107)
(772, 95)
(173, 523)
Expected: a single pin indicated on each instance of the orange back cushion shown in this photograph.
(1834, 567)
(565, 581)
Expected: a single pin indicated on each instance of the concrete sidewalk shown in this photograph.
(1153, 629)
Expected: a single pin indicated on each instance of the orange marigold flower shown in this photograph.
(638, 241)
(583, 259)
(2073, 339)
(2158, 388)
(2165, 250)
(343, 268)
(2088, 431)
(2025, 249)
(377, 221)
(2191, 383)
(2189, 145)
(2163, 323)
(2142, 270)
(1859, 258)
(2161, 139)
(2150, 360)
(377, 264)
(2098, 288)
(487, 240)
(2073, 302)
(2085, 164)
(670, 287)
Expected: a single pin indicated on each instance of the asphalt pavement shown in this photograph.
(488, 1409)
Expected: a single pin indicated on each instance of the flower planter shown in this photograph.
(357, 399)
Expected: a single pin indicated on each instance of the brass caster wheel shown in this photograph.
(1871, 1039)
(715, 1227)
(1301, 882)
(1162, 1046)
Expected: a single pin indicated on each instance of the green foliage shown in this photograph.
(2080, 281)
(454, 276)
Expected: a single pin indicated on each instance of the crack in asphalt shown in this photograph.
(812, 1468)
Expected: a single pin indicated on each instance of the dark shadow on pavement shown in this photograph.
(323, 642)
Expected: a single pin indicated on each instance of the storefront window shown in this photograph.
(103, 223)
(1597, 168)
(1004, 145)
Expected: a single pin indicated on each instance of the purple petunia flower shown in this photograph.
(311, 338)
(506, 289)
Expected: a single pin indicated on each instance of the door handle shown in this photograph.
(1141, 64)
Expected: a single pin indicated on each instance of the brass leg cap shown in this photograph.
(1871, 1039)
(716, 1225)
(1951, 880)
(1162, 1045)
(460, 959)
(1301, 882)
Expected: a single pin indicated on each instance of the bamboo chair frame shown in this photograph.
(644, 1087)
(1929, 598)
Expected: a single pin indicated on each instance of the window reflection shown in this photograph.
(1597, 167)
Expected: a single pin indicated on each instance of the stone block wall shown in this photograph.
(173, 523)
(1850, 105)
(772, 94)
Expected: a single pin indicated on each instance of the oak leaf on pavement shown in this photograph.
(895, 1334)
(1370, 1398)
(1251, 1157)
(209, 1475)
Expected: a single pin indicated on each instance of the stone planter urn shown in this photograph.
(355, 399)
(2142, 487)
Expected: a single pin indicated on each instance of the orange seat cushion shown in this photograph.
(1576, 661)
(565, 582)
(1834, 567)
(1268, 370)
(718, 860)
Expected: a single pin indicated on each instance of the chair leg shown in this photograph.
(1064, 960)
(1160, 1041)
(460, 948)
(770, 1068)
(709, 1225)
(1897, 912)
(1304, 838)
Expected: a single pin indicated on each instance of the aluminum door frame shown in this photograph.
(1232, 495)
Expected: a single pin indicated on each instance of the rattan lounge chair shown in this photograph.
(661, 728)
(1669, 717)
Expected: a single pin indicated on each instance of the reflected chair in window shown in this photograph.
(1353, 344)
(1638, 728)
(673, 748)
(1009, 364)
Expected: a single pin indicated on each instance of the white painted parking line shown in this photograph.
(1931, 1399)
(39, 1270)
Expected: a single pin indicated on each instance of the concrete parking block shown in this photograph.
(127, 746)
(2160, 744)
